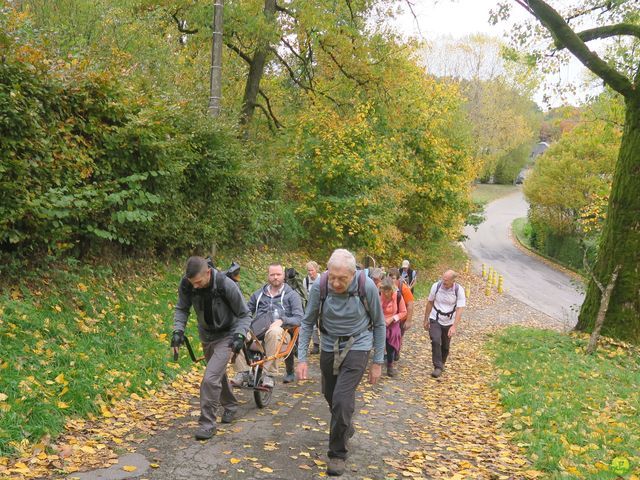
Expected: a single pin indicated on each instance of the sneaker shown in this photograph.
(436, 372)
(335, 467)
(228, 416)
(315, 349)
(205, 433)
(240, 379)
(267, 382)
(289, 378)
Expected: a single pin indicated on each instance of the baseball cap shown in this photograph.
(405, 264)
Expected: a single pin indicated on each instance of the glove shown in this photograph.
(177, 339)
(237, 342)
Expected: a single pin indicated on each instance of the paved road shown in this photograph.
(525, 277)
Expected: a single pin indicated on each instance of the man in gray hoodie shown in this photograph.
(347, 303)
(275, 307)
(223, 321)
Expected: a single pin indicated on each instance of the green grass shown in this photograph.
(518, 227)
(573, 412)
(485, 193)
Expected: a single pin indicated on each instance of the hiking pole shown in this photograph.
(191, 354)
(190, 350)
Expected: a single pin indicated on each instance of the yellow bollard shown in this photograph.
(467, 291)
(484, 271)
(487, 289)
(495, 279)
(501, 284)
(466, 267)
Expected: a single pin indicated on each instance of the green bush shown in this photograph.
(509, 165)
(85, 163)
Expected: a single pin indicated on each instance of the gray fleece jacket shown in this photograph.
(232, 317)
(343, 314)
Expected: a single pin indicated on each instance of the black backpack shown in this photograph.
(295, 281)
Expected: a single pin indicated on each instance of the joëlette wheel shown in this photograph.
(262, 395)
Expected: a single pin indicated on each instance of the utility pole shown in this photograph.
(216, 60)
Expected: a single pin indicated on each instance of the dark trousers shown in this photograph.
(390, 354)
(440, 342)
(289, 361)
(340, 393)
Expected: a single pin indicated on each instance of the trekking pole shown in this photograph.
(191, 354)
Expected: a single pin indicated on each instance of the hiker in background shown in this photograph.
(376, 275)
(408, 275)
(293, 279)
(313, 272)
(395, 311)
(223, 321)
(445, 305)
(274, 307)
(347, 306)
(405, 291)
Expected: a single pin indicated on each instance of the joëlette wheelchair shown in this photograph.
(256, 356)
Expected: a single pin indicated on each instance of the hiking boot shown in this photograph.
(228, 416)
(391, 371)
(205, 433)
(240, 379)
(289, 378)
(436, 372)
(335, 467)
(267, 382)
(315, 349)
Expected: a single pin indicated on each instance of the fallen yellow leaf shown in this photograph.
(129, 468)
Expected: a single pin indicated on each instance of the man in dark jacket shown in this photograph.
(274, 307)
(223, 321)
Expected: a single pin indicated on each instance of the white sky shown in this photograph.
(460, 18)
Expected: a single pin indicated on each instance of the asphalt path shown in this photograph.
(526, 277)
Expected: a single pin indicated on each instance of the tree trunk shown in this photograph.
(602, 311)
(215, 93)
(620, 241)
(256, 69)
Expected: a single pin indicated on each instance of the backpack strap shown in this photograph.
(445, 314)
(260, 297)
(361, 292)
(324, 287)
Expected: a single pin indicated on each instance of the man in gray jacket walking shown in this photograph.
(347, 303)
(223, 321)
